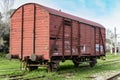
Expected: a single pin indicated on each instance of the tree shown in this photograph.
(0, 17)
(6, 6)
(5, 21)
(6, 12)
(110, 39)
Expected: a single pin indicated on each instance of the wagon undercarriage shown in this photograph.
(54, 64)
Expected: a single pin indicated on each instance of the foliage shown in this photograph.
(4, 33)
(6, 43)
(5, 22)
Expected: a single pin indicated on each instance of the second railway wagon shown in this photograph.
(41, 36)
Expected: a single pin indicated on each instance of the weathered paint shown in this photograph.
(48, 32)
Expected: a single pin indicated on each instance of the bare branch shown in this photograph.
(6, 5)
(6, 8)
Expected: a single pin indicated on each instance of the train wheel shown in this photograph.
(53, 66)
(92, 62)
(76, 64)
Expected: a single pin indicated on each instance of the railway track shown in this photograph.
(12, 69)
(20, 77)
(115, 77)
(11, 77)
(110, 62)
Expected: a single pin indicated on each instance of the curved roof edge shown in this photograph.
(62, 14)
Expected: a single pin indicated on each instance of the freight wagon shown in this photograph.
(41, 36)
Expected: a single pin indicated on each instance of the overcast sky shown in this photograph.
(105, 12)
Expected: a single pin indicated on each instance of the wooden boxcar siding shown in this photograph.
(85, 37)
(42, 32)
(98, 41)
(75, 37)
(34, 31)
(92, 43)
(103, 41)
(69, 35)
(28, 30)
(15, 33)
(38, 20)
(56, 25)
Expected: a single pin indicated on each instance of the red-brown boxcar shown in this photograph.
(43, 36)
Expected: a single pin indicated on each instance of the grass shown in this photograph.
(66, 71)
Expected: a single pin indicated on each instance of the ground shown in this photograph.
(10, 70)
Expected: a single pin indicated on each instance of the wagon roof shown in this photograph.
(66, 15)
(59, 13)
